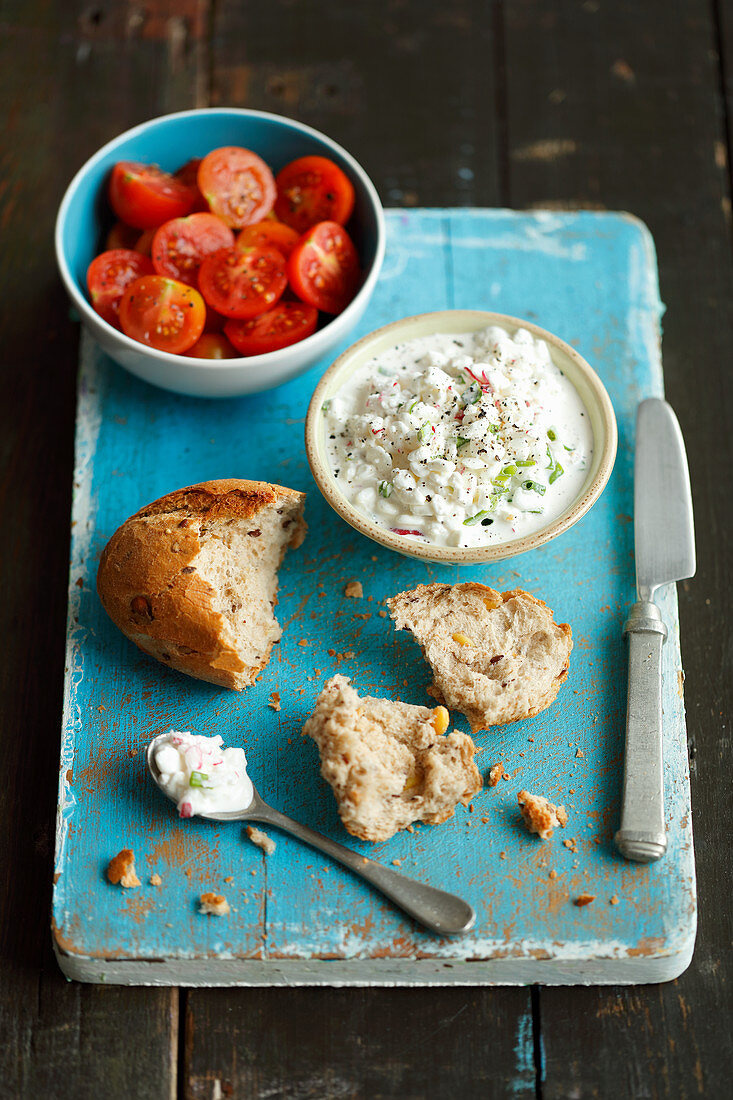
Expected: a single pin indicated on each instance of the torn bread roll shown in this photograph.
(390, 763)
(497, 657)
(192, 578)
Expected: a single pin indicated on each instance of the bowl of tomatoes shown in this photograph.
(220, 252)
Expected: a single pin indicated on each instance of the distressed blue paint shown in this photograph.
(592, 279)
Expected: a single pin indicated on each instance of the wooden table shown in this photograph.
(557, 104)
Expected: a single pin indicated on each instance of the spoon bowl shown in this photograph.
(441, 912)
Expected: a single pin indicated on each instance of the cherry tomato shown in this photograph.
(324, 267)
(180, 245)
(238, 185)
(188, 176)
(107, 277)
(285, 324)
(145, 196)
(269, 234)
(312, 190)
(213, 345)
(162, 313)
(243, 282)
(121, 236)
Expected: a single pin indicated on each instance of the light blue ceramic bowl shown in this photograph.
(169, 141)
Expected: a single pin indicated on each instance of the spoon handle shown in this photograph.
(437, 910)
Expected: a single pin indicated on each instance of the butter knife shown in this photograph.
(664, 538)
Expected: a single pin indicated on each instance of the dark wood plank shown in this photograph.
(623, 111)
(71, 77)
(408, 88)
(359, 1044)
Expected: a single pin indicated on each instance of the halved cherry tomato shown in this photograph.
(312, 190)
(269, 234)
(237, 184)
(181, 244)
(162, 313)
(324, 267)
(243, 282)
(213, 345)
(145, 196)
(109, 274)
(121, 236)
(188, 176)
(287, 323)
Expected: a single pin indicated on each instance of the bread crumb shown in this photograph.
(321, 595)
(410, 828)
(396, 862)
(100, 708)
(331, 652)
(303, 641)
(121, 870)
(229, 878)
(484, 821)
(530, 738)
(503, 855)
(614, 900)
(348, 655)
(354, 590)
(506, 776)
(580, 753)
(382, 613)
(495, 774)
(374, 557)
(540, 816)
(274, 700)
(572, 844)
(216, 905)
(156, 880)
(262, 840)
(584, 899)
(552, 874)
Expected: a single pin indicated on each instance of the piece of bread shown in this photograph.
(541, 816)
(192, 578)
(498, 657)
(121, 870)
(389, 764)
(215, 905)
(262, 840)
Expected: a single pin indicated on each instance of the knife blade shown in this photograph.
(665, 552)
(664, 532)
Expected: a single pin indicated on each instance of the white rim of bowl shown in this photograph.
(465, 555)
(249, 360)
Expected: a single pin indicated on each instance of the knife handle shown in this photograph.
(642, 835)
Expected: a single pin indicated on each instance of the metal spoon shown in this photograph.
(437, 910)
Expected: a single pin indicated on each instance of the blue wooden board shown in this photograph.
(589, 277)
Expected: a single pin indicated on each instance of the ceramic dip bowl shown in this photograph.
(576, 370)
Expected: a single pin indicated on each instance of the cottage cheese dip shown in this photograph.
(202, 776)
(460, 440)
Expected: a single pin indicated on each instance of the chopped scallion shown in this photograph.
(461, 441)
(385, 489)
(326, 405)
(412, 406)
(525, 462)
(510, 469)
(534, 487)
(424, 432)
(197, 778)
(551, 435)
(556, 473)
(472, 520)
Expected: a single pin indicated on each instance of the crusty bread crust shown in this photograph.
(498, 657)
(389, 763)
(151, 589)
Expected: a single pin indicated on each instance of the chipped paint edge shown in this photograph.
(382, 972)
(88, 426)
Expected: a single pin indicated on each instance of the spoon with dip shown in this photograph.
(207, 780)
